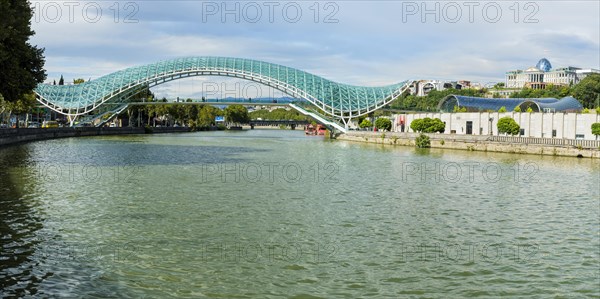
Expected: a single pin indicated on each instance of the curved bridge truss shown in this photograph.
(339, 100)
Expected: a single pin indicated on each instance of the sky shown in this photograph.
(366, 43)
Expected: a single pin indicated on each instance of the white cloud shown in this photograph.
(370, 45)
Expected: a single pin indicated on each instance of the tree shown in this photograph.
(23, 105)
(383, 124)
(61, 81)
(502, 109)
(21, 64)
(517, 109)
(596, 129)
(237, 114)
(508, 125)
(78, 81)
(366, 123)
(588, 91)
(207, 114)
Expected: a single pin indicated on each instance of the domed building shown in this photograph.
(542, 74)
(544, 65)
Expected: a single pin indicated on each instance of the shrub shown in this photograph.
(597, 110)
(585, 111)
(417, 125)
(517, 109)
(529, 110)
(365, 124)
(383, 124)
(502, 109)
(508, 125)
(596, 129)
(148, 129)
(423, 141)
(428, 125)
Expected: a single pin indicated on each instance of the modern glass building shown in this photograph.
(476, 104)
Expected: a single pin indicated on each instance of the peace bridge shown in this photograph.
(339, 101)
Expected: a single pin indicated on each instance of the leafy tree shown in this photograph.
(78, 81)
(61, 81)
(237, 114)
(366, 123)
(596, 129)
(502, 109)
(588, 91)
(21, 64)
(207, 114)
(383, 124)
(508, 125)
(23, 105)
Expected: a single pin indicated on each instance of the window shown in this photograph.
(579, 136)
(553, 133)
(522, 132)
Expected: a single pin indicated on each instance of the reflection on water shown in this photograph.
(269, 214)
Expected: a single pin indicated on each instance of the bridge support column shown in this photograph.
(71, 119)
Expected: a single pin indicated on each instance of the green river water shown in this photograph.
(276, 214)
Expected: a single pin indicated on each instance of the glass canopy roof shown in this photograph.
(334, 98)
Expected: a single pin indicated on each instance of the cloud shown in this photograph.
(372, 43)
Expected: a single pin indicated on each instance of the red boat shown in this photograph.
(321, 130)
(312, 130)
(309, 130)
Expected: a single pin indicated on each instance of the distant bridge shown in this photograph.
(290, 123)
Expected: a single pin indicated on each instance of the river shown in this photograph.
(276, 214)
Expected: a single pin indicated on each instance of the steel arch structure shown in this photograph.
(336, 99)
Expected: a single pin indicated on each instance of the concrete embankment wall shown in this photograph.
(12, 136)
(504, 144)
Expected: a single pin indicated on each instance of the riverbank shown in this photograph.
(14, 136)
(503, 144)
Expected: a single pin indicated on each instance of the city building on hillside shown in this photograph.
(477, 104)
(422, 88)
(537, 77)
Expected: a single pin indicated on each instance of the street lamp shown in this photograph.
(491, 121)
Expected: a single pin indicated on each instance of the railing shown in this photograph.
(591, 144)
(319, 118)
(547, 141)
